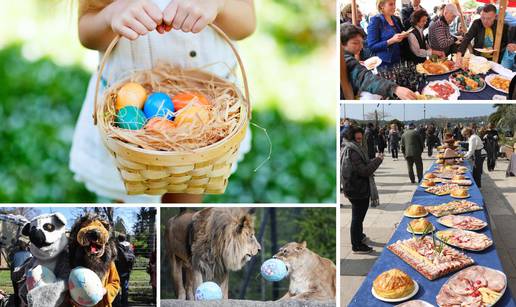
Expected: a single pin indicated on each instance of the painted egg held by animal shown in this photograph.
(85, 286)
(208, 291)
(131, 94)
(273, 270)
(159, 105)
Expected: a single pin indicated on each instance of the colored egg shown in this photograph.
(130, 117)
(131, 94)
(192, 115)
(208, 291)
(159, 105)
(181, 100)
(274, 270)
(159, 124)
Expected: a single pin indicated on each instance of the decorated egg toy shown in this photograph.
(192, 115)
(208, 291)
(39, 276)
(131, 94)
(181, 100)
(159, 105)
(160, 125)
(130, 117)
(274, 270)
(85, 287)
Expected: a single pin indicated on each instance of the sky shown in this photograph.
(416, 111)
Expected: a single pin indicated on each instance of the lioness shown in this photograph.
(206, 245)
(312, 277)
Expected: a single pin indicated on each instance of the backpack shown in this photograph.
(125, 259)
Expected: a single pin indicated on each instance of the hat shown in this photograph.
(452, 9)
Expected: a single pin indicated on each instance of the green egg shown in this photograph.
(130, 117)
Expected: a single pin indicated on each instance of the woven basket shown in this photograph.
(200, 171)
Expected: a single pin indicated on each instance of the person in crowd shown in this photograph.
(385, 34)
(439, 34)
(491, 145)
(370, 141)
(394, 141)
(476, 152)
(407, 11)
(483, 32)
(357, 172)
(432, 140)
(346, 15)
(437, 12)
(412, 148)
(344, 128)
(360, 78)
(419, 47)
(124, 265)
(456, 132)
(382, 141)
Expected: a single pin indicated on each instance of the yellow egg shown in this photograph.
(192, 115)
(131, 94)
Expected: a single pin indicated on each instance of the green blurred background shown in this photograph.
(290, 59)
(316, 226)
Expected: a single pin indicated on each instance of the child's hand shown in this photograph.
(134, 17)
(192, 15)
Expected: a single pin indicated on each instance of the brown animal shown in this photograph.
(312, 277)
(206, 245)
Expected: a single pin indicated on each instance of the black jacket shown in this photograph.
(477, 32)
(358, 186)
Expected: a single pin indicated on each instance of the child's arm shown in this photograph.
(235, 17)
(129, 18)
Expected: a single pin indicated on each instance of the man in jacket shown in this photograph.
(439, 34)
(412, 146)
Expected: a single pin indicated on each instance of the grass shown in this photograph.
(5, 281)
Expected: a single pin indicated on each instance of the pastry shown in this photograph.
(430, 176)
(459, 193)
(416, 211)
(474, 286)
(462, 222)
(427, 183)
(420, 225)
(432, 261)
(393, 284)
(465, 239)
(453, 207)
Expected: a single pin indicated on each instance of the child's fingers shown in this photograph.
(169, 13)
(137, 27)
(179, 19)
(128, 33)
(189, 22)
(147, 21)
(200, 25)
(154, 12)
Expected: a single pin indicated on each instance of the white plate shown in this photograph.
(420, 302)
(397, 300)
(414, 216)
(501, 293)
(490, 78)
(371, 60)
(428, 91)
(484, 50)
(455, 227)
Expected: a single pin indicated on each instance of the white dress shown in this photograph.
(90, 161)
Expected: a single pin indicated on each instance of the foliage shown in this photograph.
(144, 231)
(316, 231)
(504, 117)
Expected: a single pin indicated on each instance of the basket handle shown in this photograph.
(224, 36)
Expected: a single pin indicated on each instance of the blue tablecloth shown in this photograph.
(485, 94)
(428, 290)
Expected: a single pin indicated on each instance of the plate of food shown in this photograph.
(453, 207)
(474, 286)
(465, 239)
(461, 182)
(426, 183)
(436, 68)
(372, 63)
(431, 258)
(499, 83)
(415, 211)
(420, 226)
(443, 89)
(485, 50)
(429, 176)
(460, 193)
(415, 303)
(394, 286)
(441, 190)
(462, 222)
(467, 81)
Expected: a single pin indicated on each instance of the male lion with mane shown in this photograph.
(206, 245)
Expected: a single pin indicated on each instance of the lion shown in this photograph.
(311, 276)
(91, 245)
(206, 245)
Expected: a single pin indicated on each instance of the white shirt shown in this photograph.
(475, 143)
(414, 44)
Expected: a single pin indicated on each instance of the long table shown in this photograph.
(428, 290)
(485, 94)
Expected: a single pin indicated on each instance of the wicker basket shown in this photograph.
(201, 171)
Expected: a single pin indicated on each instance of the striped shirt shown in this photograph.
(439, 35)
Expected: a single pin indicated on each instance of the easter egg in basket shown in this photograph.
(130, 117)
(38, 276)
(160, 125)
(85, 286)
(131, 94)
(181, 100)
(159, 105)
(274, 270)
(208, 291)
(193, 114)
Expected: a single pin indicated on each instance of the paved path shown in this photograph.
(395, 192)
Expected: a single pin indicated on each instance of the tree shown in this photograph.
(120, 225)
(504, 116)
(144, 231)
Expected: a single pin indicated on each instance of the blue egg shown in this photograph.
(130, 117)
(159, 105)
(274, 270)
(208, 291)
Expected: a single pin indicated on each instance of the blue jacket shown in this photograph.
(378, 32)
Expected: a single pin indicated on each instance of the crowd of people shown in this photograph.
(362, 153)
(414, 35)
